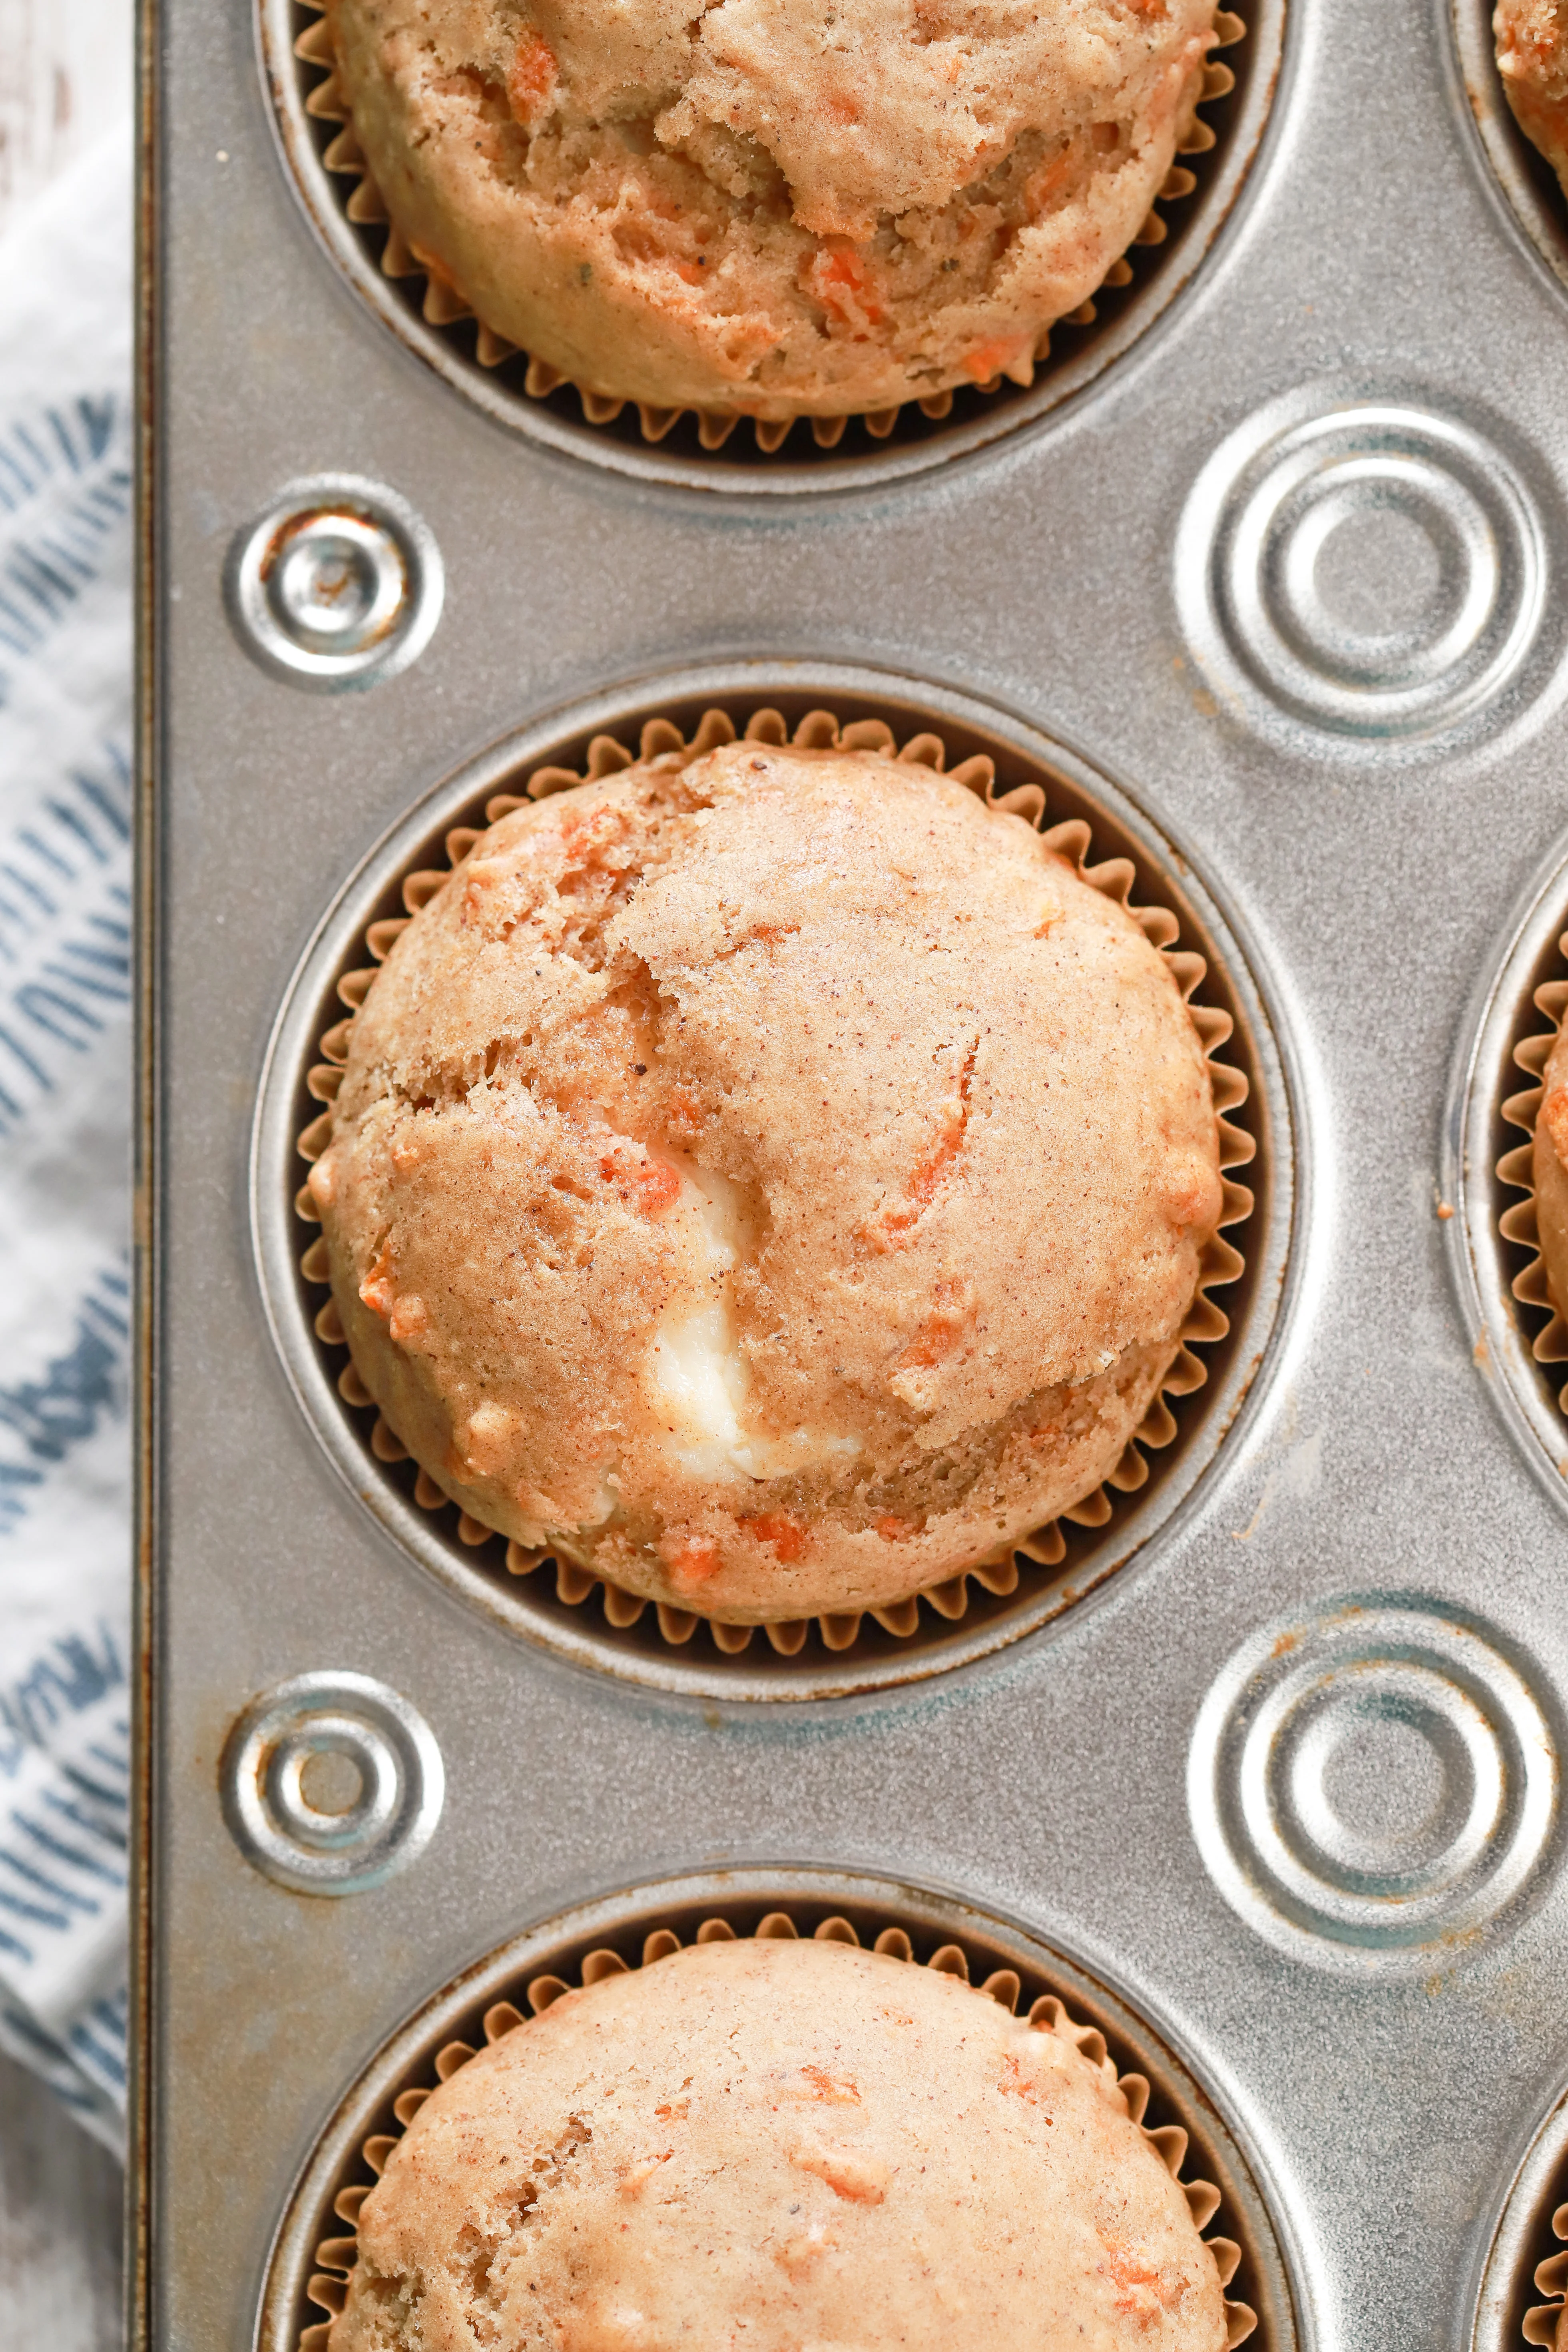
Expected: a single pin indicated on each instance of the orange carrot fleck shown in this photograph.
(1018, 2085)
(531, 84)
(788, 1535)
(841, 282)
(685, 1115)
(887, 1229)
(379, 1288)
(1143, 2293)
(1555, 1111)
(987, 360)
(651, 1186)
(837, 2090)
(691, 1564)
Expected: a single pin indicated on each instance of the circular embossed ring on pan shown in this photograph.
(337, 585)
(563, 1607)
(332, 1783)
(1372, 572)
(328, 171)
(310, 2258)
(1372, 1783)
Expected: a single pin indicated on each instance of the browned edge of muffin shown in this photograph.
(1546, 2324)
(1206, 1323)
(1540, 1022)
(1532, 160)
(444, 307)
(335, 2257)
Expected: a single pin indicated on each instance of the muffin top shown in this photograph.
(771, 1177)
(1532, 57)
(1551, 1172)
(772, 205)
(793, 2146)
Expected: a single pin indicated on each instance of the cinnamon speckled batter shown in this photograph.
(771, 1177)
(785, 2147)
(772, 206)
(1532, 57)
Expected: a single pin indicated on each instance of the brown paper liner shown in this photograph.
(1518, 1223)
(1547, 2323)
(1204, 1324)
(335, 2257)
(444, 307)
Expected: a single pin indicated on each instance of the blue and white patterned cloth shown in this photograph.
(65, 999)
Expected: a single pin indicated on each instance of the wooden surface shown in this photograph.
(59, 2226)
(65, 77)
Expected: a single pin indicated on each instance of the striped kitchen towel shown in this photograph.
(65, 991)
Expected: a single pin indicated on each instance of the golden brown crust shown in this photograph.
(772, 208)
(785, 2145)
(771, 1177)
(1550, 1168)
(1533, 59)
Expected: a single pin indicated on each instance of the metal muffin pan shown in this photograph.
(1287, 1782)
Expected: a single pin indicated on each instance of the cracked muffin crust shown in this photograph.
(769, 1178)
(1533, 59)
(797, 2147)
(772, 207)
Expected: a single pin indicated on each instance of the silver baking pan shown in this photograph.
(1260, 585)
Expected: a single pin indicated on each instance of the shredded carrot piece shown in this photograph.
(531, 84)
(987, 360)
(1555, 1111)
(379, 1288)
(691, 1564)
(788, 1535)
(887, 1229)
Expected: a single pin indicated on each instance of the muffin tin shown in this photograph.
(1263, 581)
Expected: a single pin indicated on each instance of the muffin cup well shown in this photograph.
(1547, 2323)
(1541, 1023)
(317, 134)
(1204, 1324)
(1006, 1970)
(1523, 2296)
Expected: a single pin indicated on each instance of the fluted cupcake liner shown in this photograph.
(336, 2256)
(1518, 1223)
(1206, 1323)
(444, 306)
(1547, 2323)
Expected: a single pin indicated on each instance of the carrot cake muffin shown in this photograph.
(1550, 1173)
(769, 1178)
(1532, 57)
(793, 2146)
(772, 207)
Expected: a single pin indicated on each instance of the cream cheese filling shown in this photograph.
(695, 1374)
